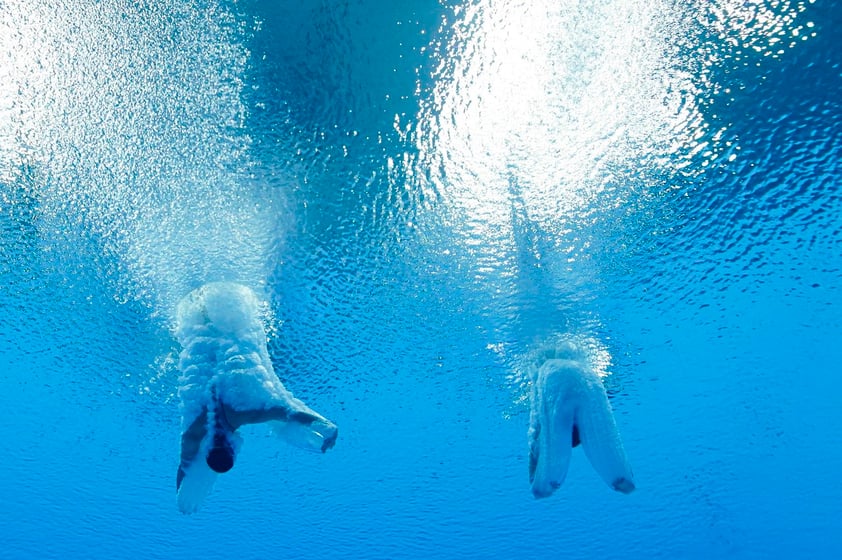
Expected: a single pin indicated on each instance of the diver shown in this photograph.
(227, 381)
(569, 407)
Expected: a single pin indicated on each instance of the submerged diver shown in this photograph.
(227, 380)
(569, 407)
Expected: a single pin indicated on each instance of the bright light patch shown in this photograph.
(129, 117)
(565, 107)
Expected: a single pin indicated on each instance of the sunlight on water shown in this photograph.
(552, 134)
(543, 117)
(565, 114)
(552, 106)
(764, 27)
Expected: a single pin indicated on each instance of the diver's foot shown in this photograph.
(330, 440)
(623, 485)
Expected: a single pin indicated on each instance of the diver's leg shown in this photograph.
(551, 430)
(601, 439)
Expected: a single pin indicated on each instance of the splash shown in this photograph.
(130, 116)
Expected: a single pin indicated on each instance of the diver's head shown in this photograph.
(220, 458)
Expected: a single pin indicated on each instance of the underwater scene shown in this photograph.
(358, 279)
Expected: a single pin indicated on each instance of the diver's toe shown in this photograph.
(330, 441)
(623, 485)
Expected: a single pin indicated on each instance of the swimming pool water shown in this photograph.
(424, 193)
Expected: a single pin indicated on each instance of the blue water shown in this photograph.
(424, 192)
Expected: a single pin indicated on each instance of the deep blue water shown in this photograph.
(423, 192)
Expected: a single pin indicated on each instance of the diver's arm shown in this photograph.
(190, 441)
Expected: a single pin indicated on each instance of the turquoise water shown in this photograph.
(424, 193)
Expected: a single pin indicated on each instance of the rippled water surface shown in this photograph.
(424, 193)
